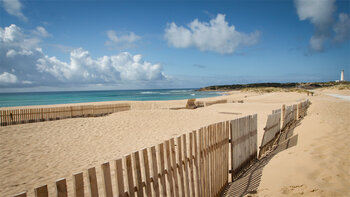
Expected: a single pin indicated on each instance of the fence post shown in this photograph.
(283, 113)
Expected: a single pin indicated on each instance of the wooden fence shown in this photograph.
(194, 164)
(273, 125)
(20, 116)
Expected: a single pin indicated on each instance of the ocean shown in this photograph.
(48, 98)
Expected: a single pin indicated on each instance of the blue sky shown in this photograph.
(81, 45)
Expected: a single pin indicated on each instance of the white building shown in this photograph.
(342, 75)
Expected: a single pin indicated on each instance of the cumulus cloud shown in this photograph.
(342, 28)
(217, 36)
(122, 41)
(14, 7)
(320, 13)
(8, 78)
(22, 53)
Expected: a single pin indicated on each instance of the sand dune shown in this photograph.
(40, 153)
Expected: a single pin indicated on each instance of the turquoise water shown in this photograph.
(47, 98)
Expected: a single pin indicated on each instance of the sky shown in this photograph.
(58, 45)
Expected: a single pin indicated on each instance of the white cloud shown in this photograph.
(342, 28)
(217, 36)
(320, 14)
(7, 78)
(41, 31)
(14, 7)
(22, 53)
(122, 41)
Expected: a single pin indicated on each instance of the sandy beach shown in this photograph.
(40, 153)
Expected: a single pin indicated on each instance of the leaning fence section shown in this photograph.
(271, 130)
(21, 116)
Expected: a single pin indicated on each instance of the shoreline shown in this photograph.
(112, 101)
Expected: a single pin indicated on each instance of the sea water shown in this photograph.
(48, 98)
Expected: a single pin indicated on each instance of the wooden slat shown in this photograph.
(217, 170)
(23, 194)
(61, 188)
(201, 169)
(93, 182)
(41, 191)
(169, 167)
(187, 186)
(174, 166)
(193, 193)
(147, 173)
(206, 162)
(196, 162)
(137, 170)
(106, 170)
(130, 175)
(78, 185)
(119, 177)
(233, 124)
(155, 171)
(212, 158)
(162, 169)
(181, 174)
(221, 155)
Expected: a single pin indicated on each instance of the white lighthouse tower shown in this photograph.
(342, 75)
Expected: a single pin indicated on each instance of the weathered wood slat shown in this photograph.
(181, 174)
(137, 170)
(61, 188)
(174, 166)
(196, 163)
(78, 185)
(187, 182)
(201, 166)
(41, 191)
(93, 182)
(191, 161)
(206, 162)
(162, 169)
(119, 177)
(106, 170)
(147, 173)
(169, 168)
(155, 171)
(130, 176)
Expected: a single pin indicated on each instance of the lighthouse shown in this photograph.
(342, 75)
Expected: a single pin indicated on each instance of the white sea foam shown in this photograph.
(148, 92)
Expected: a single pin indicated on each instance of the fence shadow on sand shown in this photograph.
(248, 181)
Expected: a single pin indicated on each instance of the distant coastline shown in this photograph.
(279, 86)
